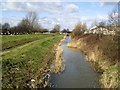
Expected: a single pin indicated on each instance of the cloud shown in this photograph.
(66, 21)
(103, 4)
(32, 6)
(65, 14)
(91, 19)
(72, 8)
(60, 0)
(31, 1)
(13, 21)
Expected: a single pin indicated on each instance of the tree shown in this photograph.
(56, 29)
(14, 30)
(95, 23)
(44, 30)
(23, 26)
(5, 28)
(102, 24)
(0, 28)
(84, 26)
(32, 17)
(114, 17)
(65, 31)
(29, 24)
(78, 30)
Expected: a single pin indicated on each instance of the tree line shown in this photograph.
(29, 25)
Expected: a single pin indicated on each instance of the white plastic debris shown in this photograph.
(32, 80)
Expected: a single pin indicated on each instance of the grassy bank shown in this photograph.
(11, 41)
(30, 61)
(103, 53)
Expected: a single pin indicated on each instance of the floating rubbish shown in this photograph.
(32, 80)
(47, 76)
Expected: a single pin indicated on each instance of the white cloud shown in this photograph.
(67, 15)
(72, 8)
(63, 14)
(102, 17)
(32, 6)
(91, 19)
(31, 1)
(60, 0)
(64, 21)
(13, 21)
(102, 4)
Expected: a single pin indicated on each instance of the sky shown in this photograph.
(65, 13)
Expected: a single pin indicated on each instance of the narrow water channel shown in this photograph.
(78, 73)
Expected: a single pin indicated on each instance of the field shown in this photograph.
(10, 41)
(23, 63)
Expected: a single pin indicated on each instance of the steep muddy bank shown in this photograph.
(90, 45)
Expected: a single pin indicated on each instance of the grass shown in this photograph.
(10, 41)
(21, 64)
(110, 78)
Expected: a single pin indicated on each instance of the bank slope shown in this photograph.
(22, 65)
(103, 53)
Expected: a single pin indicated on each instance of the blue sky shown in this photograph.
(67, 14)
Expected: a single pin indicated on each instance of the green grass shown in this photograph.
(110, 78)
(28, 58)
(10, 41)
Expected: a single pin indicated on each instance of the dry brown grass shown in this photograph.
(58, 62)
(103, 52)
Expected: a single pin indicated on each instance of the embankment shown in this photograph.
(102, 52)
(26, 66)
(58, 63)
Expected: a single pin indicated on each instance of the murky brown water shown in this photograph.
(78, 73)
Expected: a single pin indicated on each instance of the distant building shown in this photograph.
(100, 30)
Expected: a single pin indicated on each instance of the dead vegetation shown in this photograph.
(103, 53)
(58, 64)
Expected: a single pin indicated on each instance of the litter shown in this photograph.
(32, 80)
(47, 76)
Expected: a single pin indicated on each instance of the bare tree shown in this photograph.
(114, 17)
(78, 30)
(56, 29)
(29, 24)
(32, 17)
(95, 23)
(84, 27)
(24, 26)
(102, 24)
